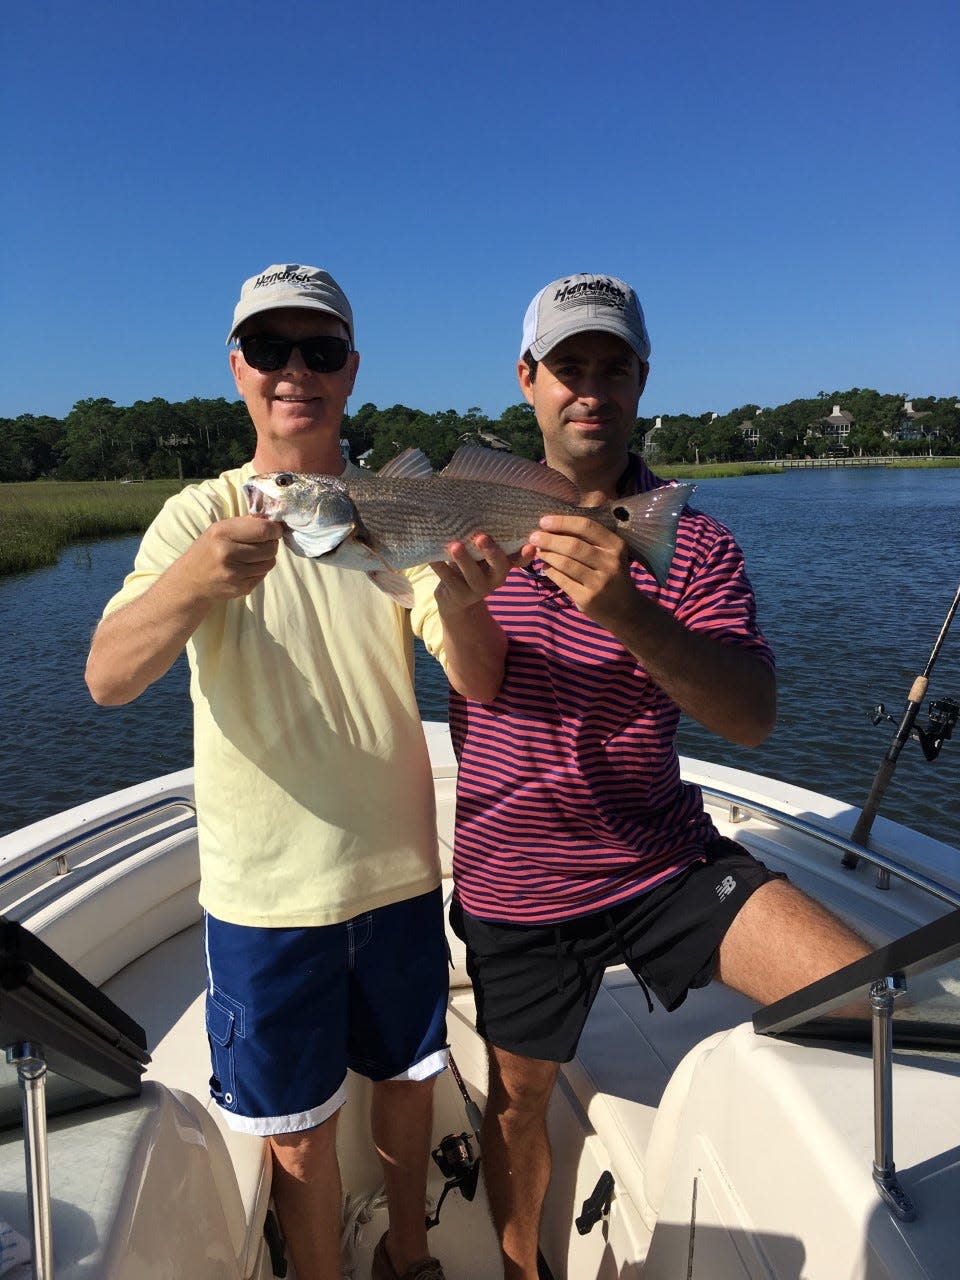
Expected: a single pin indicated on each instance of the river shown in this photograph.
(854, 571)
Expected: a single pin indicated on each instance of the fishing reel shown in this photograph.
(942, 717)
(455, 1159)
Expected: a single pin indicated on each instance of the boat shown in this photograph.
(816, 1138)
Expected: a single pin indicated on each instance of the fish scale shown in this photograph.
(417, 518)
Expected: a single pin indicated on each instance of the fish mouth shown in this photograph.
(257, 502)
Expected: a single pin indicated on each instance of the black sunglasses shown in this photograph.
(322, 354)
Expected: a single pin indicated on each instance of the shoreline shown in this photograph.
(39, 518)
(776, 466)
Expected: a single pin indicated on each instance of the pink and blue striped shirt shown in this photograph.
(569, 795)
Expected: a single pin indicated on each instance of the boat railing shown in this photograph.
(116, 838)
(873, 985)
(740, 808)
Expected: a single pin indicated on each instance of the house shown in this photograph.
(750, 430)
(649, 444)
(910, 426)
(485, 439)
(834, 429)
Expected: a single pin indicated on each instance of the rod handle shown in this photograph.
(918, 690)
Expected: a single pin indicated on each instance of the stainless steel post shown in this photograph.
(32, 1072)
(882, 995)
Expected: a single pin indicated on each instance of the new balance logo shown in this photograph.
(726, 887)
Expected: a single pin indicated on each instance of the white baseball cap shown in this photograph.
(584, 304)
(291, 285)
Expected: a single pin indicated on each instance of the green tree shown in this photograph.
(517, 425)
(360, 429)
(942, 424)
(28, 446)
(89, 442)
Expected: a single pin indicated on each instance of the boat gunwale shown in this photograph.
(63, 833)
(824, 835)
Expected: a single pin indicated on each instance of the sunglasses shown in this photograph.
(323, 354)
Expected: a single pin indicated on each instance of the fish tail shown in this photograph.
(647, 522)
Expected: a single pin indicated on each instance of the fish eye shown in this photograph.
(284, 479)
(621, 513)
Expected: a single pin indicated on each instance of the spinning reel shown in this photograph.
(942, 716)
(455, 1159)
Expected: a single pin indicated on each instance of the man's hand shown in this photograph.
(466, 581)
(476, 645)
(233, 556)
(590, 563)
(726, 688)
(140, 642)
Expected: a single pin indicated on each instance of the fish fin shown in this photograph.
(650, 529)
(317, 542)
(412, 464)
(394, 584)
(471, 462)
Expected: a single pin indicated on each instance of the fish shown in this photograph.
(405, 514)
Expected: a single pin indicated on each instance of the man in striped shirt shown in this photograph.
(577, 843)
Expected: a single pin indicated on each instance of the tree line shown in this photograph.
(154, 439)
(880, 428)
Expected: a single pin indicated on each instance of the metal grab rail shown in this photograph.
(737, 805)
(826, 836)
(18, 869)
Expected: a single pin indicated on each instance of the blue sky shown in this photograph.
(780, 183)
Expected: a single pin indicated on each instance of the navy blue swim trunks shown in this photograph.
(289, 1010)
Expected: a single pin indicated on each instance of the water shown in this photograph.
(854, 572)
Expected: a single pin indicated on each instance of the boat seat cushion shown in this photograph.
(632, 1071)
(124, 1177)
(172, 1013)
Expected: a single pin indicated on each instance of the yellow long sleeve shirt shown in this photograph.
(314, 793)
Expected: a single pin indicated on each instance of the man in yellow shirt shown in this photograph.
(319, 868)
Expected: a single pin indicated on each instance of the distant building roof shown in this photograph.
(839, 416)
(485, 437)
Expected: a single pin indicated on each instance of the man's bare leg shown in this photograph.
(781, 940)
(307, 1195)
(401, 1121)
(516, 1154)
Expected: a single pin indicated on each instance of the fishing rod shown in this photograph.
(943, 715)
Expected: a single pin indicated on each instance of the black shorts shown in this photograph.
(535, 984)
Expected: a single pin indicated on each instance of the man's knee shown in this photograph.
(301, 1154)
(520, 1085)
(405, 1088)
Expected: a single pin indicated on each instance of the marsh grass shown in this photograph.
(38, 519)
(713, 470)
(924, 464)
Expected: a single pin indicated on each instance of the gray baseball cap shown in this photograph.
(291, 285)
(584, 304)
